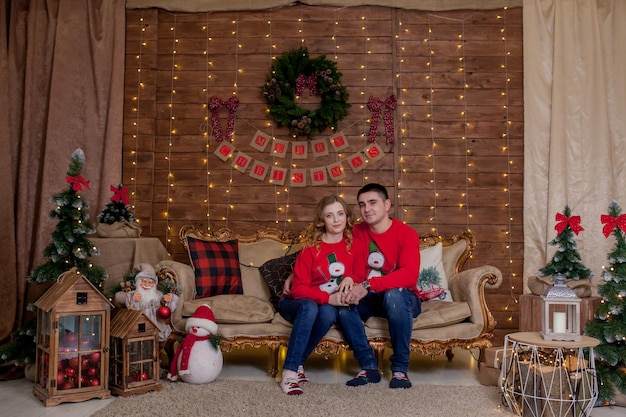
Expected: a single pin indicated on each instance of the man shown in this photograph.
(148, 298)
(390, 290)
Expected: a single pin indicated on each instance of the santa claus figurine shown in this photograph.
(147, 298)
(198, 359)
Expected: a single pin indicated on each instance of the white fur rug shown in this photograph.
(228, 397)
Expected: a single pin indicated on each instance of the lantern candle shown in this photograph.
(558, 322)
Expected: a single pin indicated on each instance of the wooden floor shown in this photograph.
(251, 364)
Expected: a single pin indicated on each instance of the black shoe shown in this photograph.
(366, 376)
(399, 380)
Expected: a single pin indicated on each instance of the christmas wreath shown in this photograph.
(290, 75)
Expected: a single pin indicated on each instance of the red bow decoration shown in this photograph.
(610, 222)
(215, 104)
(308, 81)
(120, 194)
(564, 221)
(77, 182)
(375, 105)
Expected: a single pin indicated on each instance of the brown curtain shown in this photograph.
(62, 90)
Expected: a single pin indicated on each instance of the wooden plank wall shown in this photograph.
(456, 164)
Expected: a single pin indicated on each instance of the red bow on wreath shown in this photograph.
(120, 194)
(375, 105)
(77, 182)
(215, 104)
(309, 82)
(610, 222)
(563, 221)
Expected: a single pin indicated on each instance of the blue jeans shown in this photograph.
(399, 306)
(310, 323)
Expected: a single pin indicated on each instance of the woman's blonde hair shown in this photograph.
(315, 230)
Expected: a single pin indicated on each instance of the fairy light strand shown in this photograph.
(468, 162)
(172, 132)
(433, 216)
(140, 87)
(206, 121)
(229, 205)
(509, 162)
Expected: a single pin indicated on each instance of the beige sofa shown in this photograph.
(250, 319)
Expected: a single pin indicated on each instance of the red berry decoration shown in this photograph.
(163, 312)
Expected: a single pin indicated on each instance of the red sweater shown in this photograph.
(312, 269)
(399, 247)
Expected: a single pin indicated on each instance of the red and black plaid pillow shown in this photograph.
(216, 267)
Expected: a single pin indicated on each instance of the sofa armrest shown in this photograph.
(186, 280)
(469, 286)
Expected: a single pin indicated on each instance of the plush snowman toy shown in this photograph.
(198, 359)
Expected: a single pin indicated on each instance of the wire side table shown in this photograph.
(548, 378)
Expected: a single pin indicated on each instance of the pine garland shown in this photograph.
(293, 72)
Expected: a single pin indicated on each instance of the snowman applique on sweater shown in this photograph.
(336, 270)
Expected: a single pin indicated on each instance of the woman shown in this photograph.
(323, 270)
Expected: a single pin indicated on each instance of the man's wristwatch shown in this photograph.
(366, 285)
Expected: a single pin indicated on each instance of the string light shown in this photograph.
(137, 99)
(509, 162)
(205, 126)
(172, 132)
(433, 216)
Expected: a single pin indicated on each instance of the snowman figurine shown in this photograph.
(198, 359)
(336, 270)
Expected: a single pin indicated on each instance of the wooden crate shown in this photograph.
(530, 312)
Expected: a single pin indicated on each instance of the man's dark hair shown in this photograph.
(380, 189)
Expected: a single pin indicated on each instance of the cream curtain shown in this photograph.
(575, 123)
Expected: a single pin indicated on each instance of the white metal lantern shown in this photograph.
(560, 312)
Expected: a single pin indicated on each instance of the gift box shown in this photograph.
(488, 375)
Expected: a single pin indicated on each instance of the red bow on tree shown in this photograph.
(77, 182)
(564, 221)
(120, 194)
(610, 222)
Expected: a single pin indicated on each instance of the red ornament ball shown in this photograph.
(94, 357)
(60, 379)
(163, 312)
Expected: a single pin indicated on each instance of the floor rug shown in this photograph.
(229, 397)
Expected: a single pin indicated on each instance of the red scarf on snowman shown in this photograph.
(184, 349)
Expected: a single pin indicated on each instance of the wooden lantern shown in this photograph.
(134, 353)
(560, 312)
(72, 341)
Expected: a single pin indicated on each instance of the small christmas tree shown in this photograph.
(609, 324)
(70, 246)
(566, 260)
(118, 210)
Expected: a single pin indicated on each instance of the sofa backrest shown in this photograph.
(270, 243)
(457, 250)
(254, 250)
